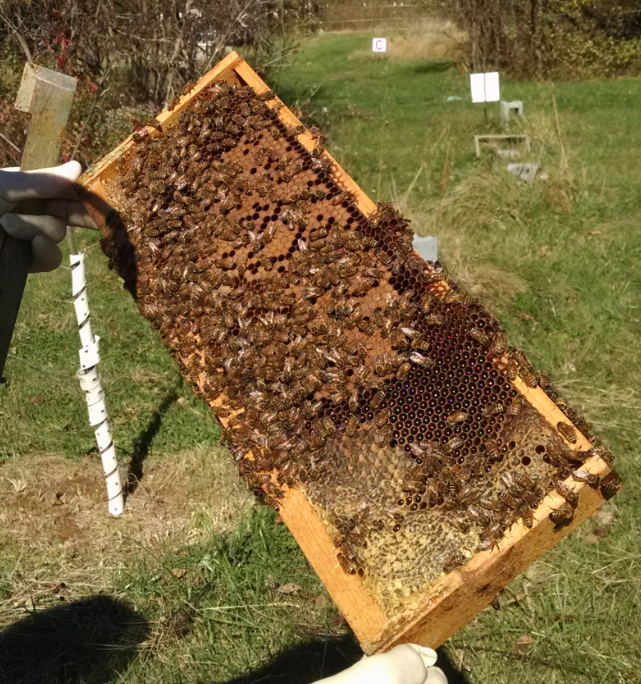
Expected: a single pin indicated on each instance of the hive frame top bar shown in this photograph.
(458, 596)
(232, 68)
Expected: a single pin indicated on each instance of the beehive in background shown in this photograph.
(411, 451)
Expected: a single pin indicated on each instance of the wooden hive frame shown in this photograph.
(457, 597)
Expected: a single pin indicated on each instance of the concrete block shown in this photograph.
(525, 172)
(513, 106)
(427, 247)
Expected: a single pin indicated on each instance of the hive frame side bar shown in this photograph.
(354, 601)
(551, 412)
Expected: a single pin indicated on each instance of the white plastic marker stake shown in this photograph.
(379, 44)
(485, 87)
(91, 384)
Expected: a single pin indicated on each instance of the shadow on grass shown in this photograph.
(453, 674)
(83, 642)
(142, 443)
(307, 662)
(320, 658)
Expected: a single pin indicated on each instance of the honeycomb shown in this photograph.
(341, 362)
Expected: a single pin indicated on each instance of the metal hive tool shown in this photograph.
(342, 365)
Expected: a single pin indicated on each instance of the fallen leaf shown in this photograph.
(604, 517)
(545, 250)
(179, 573)
(589, 538)
(522, 316)
(522, 644)
(289, 588)
(592, 232)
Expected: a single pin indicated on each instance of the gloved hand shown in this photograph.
(62, 209)
(405, 664)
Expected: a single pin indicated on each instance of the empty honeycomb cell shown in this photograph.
(296, 313)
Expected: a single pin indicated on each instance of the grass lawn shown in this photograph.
(209, 587)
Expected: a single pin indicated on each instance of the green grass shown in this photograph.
(557, 260)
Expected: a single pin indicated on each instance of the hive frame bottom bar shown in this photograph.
(457, 597)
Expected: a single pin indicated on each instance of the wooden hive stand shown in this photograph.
(458, 596)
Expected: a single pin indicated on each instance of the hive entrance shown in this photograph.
(341, 362)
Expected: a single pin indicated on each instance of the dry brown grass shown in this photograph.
(431, 39)
(54, 520)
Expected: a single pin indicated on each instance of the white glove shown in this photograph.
(405, 664)
(62, 208)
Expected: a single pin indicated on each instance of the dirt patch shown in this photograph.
(52, 505)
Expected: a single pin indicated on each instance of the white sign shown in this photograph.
(485, 87)
(379, 44)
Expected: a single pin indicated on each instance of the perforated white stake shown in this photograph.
(91, 385)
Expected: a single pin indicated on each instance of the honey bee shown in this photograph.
(610, 485)
(272, 502)
(466, 495)
(499, 343)
(273, 490)
(493, 409)
(496, 603)
(454, 561)
(515, 407)
(529, 378)
(421, 345)
(562, 515)
(491, 537)
(376, 400)
(317, 443)
(524, 480)
(512, 370)
(455, 443)
(528, 519)
(381, 418)
(601, 452)
(381, 437)
(363, 285)
(366, 327)
(434, 319)
(426, 303)
(456, 417)
(348, 566)
(567, 432)
(479, 336)
(508, 500)
(351, 427)
(403, 370)
(420, 360)
(584, 476)
(413, 486)
(460, 522)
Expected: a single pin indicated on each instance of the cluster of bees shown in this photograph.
(340, 361)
